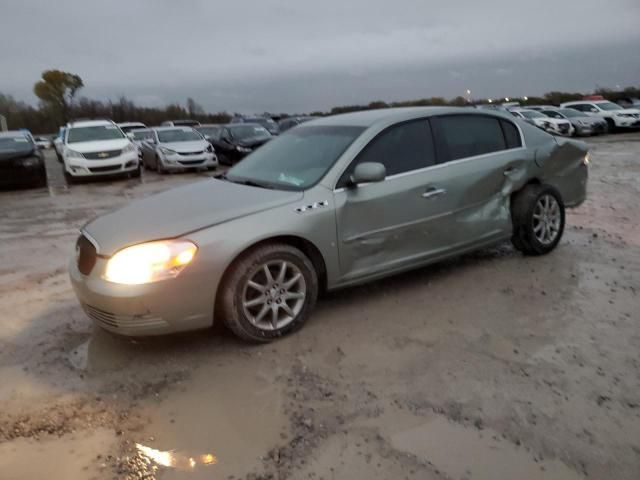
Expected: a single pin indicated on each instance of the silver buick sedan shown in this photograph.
(335, 202)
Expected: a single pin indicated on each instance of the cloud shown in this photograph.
(234, 55)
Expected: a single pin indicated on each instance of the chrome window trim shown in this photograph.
(438, 165)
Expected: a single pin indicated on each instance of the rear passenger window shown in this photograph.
(511, 134)
(401, 148)
(462, 136)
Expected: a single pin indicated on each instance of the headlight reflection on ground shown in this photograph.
(175, 459)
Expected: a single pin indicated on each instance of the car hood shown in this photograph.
(186, 147)
(589, 120)
(553, 121)
(16, 154)
(99, 146)
(253, 141)
(182, 210)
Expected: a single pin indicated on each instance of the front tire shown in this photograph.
(611, 125)
(538, 216)
(268, 292)
(68, 177)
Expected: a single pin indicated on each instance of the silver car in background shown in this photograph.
(177, 148)
(334, 202)
(583, 124)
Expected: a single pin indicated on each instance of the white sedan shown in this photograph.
(554, 126)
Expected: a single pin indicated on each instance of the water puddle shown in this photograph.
(69, 457)
(222, 422)
(463, 453)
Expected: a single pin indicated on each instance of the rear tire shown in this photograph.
(538, 216)
(248, 296)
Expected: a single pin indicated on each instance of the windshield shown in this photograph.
(297, 159)
(211, 131)
(570, 113)
(267, 123)
(92, 134)
(142, 134)
(178, 135)
(128, 128)
(533, 114)
(243, 132)
(608, 106)
(19, 142)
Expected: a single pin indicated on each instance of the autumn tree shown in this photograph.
(56, 90)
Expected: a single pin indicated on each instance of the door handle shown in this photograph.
(434, 192)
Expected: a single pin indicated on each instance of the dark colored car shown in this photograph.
(266, 122)
(21, 162)
(235, 141)
(290, 122)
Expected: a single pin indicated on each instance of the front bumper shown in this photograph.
(80, 167)
(182, 162)
(626, 122)
(156, 308)
(18, 175)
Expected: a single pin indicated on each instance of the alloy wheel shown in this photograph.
(274, 295)
(547, 219)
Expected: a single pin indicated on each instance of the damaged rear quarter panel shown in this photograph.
(562, 165)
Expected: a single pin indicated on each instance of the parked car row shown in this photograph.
(580, 118)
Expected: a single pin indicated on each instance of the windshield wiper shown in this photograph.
(249, 183)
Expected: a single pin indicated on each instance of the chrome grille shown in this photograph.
(102, 155)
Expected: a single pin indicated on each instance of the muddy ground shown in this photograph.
(492, 366)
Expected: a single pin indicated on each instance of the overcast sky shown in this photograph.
(299, 55)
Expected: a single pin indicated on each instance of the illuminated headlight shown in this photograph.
(167, 151)
(587, 158)
(130, 148)
(73, 154)
(243, 149)
(150, 262)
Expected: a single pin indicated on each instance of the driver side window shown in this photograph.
(400, 148)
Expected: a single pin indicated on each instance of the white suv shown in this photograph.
(98, 147)
(615, 115)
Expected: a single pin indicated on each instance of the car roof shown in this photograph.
(208, 125)
(90, 123)
(131, 124)
(369, 118)
(171, 127)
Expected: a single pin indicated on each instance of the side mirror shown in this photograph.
(207, 137)
(368, 172)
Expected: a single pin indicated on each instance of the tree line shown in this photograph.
(58, 91)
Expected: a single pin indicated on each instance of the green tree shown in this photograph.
(57, 90)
